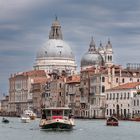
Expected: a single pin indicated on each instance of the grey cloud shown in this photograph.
(25, 25)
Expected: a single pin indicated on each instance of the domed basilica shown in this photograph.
(56, 54)
(101, 56)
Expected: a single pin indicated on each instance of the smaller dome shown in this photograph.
(92, 57)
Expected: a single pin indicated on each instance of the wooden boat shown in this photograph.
(4, 120)
(112, 121)
(25, 118)
(57, 119)
(136, 117)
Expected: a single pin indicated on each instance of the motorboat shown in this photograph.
(112, 121)
(25, 118)
(30, 113)
(59, 118)
(4, 120)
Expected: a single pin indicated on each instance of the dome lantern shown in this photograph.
(55, 32)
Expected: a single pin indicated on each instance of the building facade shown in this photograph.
(20, 95)
(37, 89)
(72, 94)
(120, 99)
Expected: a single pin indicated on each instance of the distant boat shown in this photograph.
(25, 118)
(57, 119)
(30, 113)
(136, 117)
(112, 121)
(4, 120)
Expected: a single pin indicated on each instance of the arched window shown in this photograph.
(107, 112)
(103, 89)
(117, 80)
(110, 58)
(137, 102)
(103, 79)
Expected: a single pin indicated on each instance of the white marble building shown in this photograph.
(119, 100)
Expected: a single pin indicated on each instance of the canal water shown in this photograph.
(84, 130)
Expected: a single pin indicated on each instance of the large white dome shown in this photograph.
(55, 49)
(55, 54)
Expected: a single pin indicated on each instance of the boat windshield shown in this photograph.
(56, 112)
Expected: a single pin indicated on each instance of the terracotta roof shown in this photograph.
(73, 79)
(35, 73)
(125, 86)
(40, 80)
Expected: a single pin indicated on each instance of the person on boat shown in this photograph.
(43, 115)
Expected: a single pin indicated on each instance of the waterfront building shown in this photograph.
(4, 105)
(20, 96)
(98, 73)
(120, 99)
(96, 79)
(94, 64)
(136, 104)
(37, 89)
(54, 94)
(56, 54)
(72, 94)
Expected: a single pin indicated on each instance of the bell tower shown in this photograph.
(108, 54)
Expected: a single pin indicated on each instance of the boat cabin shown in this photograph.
(112, 121)
(56, 113)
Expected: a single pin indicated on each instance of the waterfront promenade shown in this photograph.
(84, 130)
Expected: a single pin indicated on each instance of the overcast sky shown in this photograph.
(25, 25)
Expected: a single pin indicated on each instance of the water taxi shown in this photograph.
(57, 119)
(112, 121)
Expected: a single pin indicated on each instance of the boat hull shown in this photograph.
(25, 120)
(56, 125)
(112, 124)
(5, 121)
(112, 121)
(135, 119)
